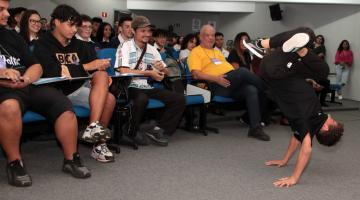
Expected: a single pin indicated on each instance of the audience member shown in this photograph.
(125, 33)
(187, 45)
(15, 17)
(96, 21)
(18, 94)
(207, 63)
(319, 49)
(343, 61)
(240, 56)
(219, 43)
(30, 26)
(84, 33)
(104, 35)
(61, 54)
(139, 57)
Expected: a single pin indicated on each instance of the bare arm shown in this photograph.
(156, 75)
(32, 74)
(301, 163)
(293, 144)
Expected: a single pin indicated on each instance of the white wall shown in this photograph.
(44, 7)
(93, 8)
(335, 22)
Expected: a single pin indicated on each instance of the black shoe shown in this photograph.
(75, 167)
(258, 133)
(324, 105)
(157, 136)
(17, 175)
(255, 47)
(296, 42)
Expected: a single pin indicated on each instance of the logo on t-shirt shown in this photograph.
(10, 61)
(289, 65)
(68, 58)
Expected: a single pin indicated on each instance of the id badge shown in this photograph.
(216, 61)
(2, 62)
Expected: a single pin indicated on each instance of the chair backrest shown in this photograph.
(108, 53)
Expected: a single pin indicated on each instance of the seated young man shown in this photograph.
(18, 95)
(207, 63)
(61, 54)
(287, 71)
(139, 57)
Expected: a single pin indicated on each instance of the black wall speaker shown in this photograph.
(275, 12)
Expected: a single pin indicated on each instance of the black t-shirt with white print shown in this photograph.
(14, 52)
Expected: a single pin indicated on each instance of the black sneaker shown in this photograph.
(17, 175)
(258, 133)
(296, 42)
(156, 134)
(75, 167)
(254, 47)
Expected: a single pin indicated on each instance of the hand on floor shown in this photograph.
(285, 182)
(279, 163)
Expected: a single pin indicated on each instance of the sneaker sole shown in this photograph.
(252, 50)
(295, 42)
(75, 175)
(262, 139)
(97, 158)
(164, 144)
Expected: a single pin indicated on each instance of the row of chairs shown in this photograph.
(123, 107)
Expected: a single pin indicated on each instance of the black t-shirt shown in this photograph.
(235, 58)
(14, 52)
(285, 75)
(52, 54)
(318, 50)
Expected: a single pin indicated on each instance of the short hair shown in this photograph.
(18, 10)
(65, 13)
(331, 136)
(219, 34)
(85, 18)
(160, 33)
(97, 20)
(123, 19)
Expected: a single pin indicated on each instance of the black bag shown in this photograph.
(119, 87)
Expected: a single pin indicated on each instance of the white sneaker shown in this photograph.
(340, 97)
(102, 153)
(95, 132)
(296, 42)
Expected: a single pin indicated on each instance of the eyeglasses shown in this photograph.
(86, 27)
(32, 21)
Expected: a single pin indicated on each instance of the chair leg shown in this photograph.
(203, 121)
(121, 115)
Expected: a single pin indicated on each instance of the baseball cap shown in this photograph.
(140, 22)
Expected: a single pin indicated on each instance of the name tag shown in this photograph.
(216, 61)
(2, 62)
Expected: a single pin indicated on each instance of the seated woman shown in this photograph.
(30, 26)
(104, 35)
(240, 56)
(187, 45)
